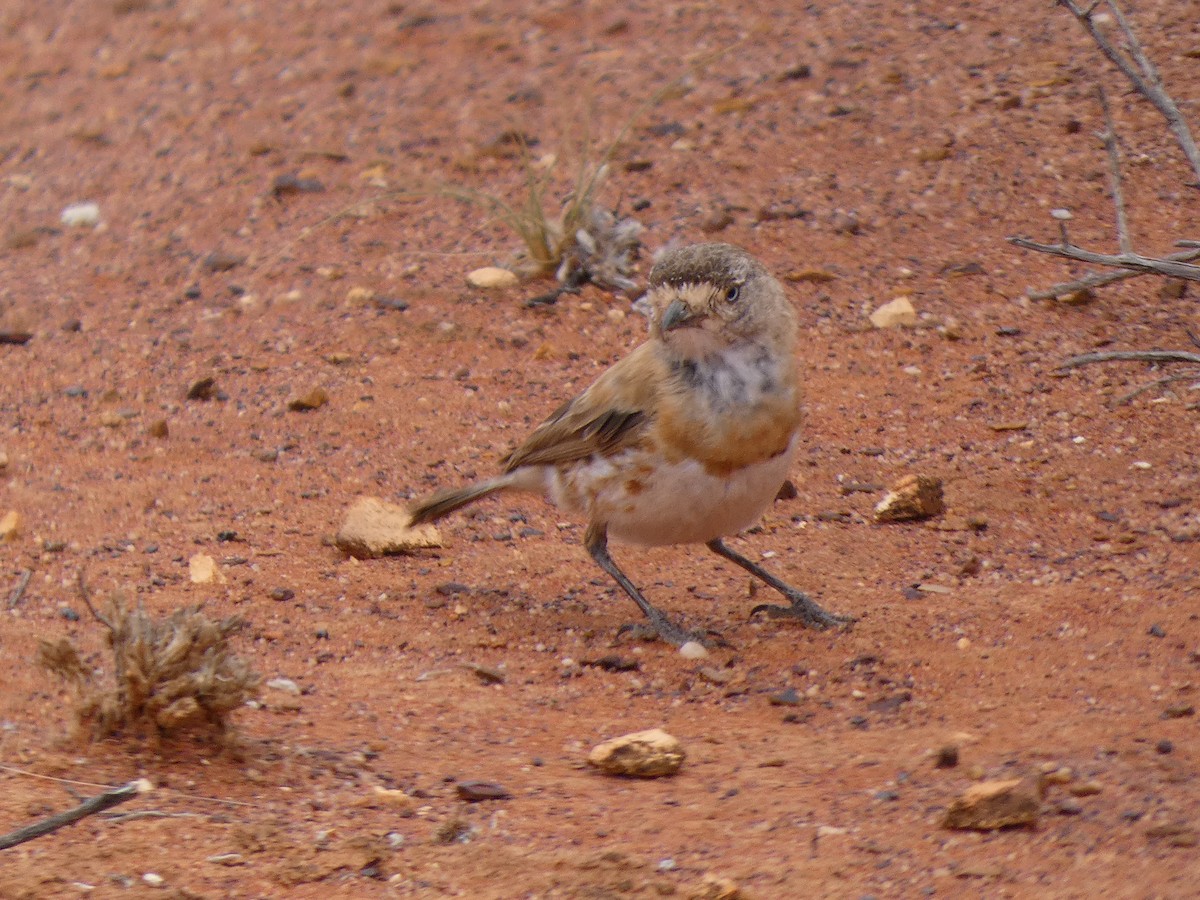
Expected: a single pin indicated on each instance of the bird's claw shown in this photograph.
(804, 608)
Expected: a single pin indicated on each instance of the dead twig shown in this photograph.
(1136, 66)
(88, 807)
(22, 582)
(1114, 171)
(1157, 383)
(1131, 355)
(1099, 279)
(1135, 263)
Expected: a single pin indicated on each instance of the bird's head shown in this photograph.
(706, 298)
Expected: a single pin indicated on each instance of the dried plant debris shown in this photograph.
(602, 251)
(169, 675)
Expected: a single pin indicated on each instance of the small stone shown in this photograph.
(286, 685)
(220, 261)
(110, 418)
(693, 650)
(644, 754)
(715, 887)
(1164, 747)
(375, 528)
(10, 526)
(476, 791)
(716, 220)
(896, 313)
(995, 804)
(314, 399)
(1068, 806)
(294, 184)
(158, 429)
(786, 697)
(154, 879)
(3, 460)
(492, 277)
(395, 799)
(843, 222)
(202, 388)
(358, 296)
(202, 569)
(912, 497)
(81, 215)
(946, 757)
(227, 859)
(1179, 711)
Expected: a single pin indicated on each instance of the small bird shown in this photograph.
(685, 440)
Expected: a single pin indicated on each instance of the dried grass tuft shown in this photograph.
(169, 675)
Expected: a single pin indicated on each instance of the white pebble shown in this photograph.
(1141, 464)
(693, 650)
(154, 879)
(284, 684)
(81, 215)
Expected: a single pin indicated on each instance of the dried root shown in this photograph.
(170, 674)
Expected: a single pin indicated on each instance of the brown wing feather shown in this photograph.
(608, 416)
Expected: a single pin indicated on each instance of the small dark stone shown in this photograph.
(151, 548)
(912, 592)
(614, 663)
(642, 204)
(787, 491)
(75, 390)
(1068, 806)
(1156, 630)
(15, 337)
(1179, 711)
(69, 614)
(798, 72)
(193, 292)
(947, 757)
(786, 697)
(391, 303)
(220, 261)
(887, 796)
(1008, 331)
(859, 722)
(202, 389)
(282, 594)
(322, 634)
(890, 704)
(475, 791)
(450, 588)
(54, 546)
(294, 184)
(528, 531)
(1164, 746)
(224, 537)
(72, 326)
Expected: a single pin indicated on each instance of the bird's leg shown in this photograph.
(802, 607)
(596, 541)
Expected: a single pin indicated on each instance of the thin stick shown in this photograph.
(1166, 265)
(1114, 170)
(1134, 355)
(1161, 382)
(1137, 67)
(22, 583)
(88, 807)
(87, 601)
(1099, 279)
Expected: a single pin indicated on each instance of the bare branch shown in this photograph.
(86, 596)
(1131, 355)
(1168, 265)
(1099, 279)
(1114, 170)
(1157, 383)
(88, 807)
(1137, 67)
(22, 582)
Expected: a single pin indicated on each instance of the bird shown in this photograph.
(686, 440)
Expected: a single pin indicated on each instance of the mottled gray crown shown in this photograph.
(722, 265)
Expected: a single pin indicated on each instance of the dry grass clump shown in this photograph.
(169, 674)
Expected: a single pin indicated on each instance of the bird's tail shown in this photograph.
(444, 502)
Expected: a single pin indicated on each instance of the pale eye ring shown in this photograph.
(731, 295)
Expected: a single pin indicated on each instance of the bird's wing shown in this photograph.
(610, 415)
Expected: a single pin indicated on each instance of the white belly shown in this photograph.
(673, 504)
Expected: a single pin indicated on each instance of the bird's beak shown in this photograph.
(677, 313)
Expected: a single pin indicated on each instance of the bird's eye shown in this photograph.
(731, 295)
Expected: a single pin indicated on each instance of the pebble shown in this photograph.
(995, 804)
(284, 684)
(373, 528)
(202, 569)
(693, 650)
(643, 754)
(786, 697)
(492, 277)
(896, 313)
(477, 791)
(912, 497)
(81, 215)
(154, 879)
(313, 399)
(10, 526)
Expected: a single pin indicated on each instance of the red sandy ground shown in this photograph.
(941, 129)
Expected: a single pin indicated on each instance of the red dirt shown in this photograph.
(1065, 632)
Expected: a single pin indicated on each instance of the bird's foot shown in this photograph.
(804, 608)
